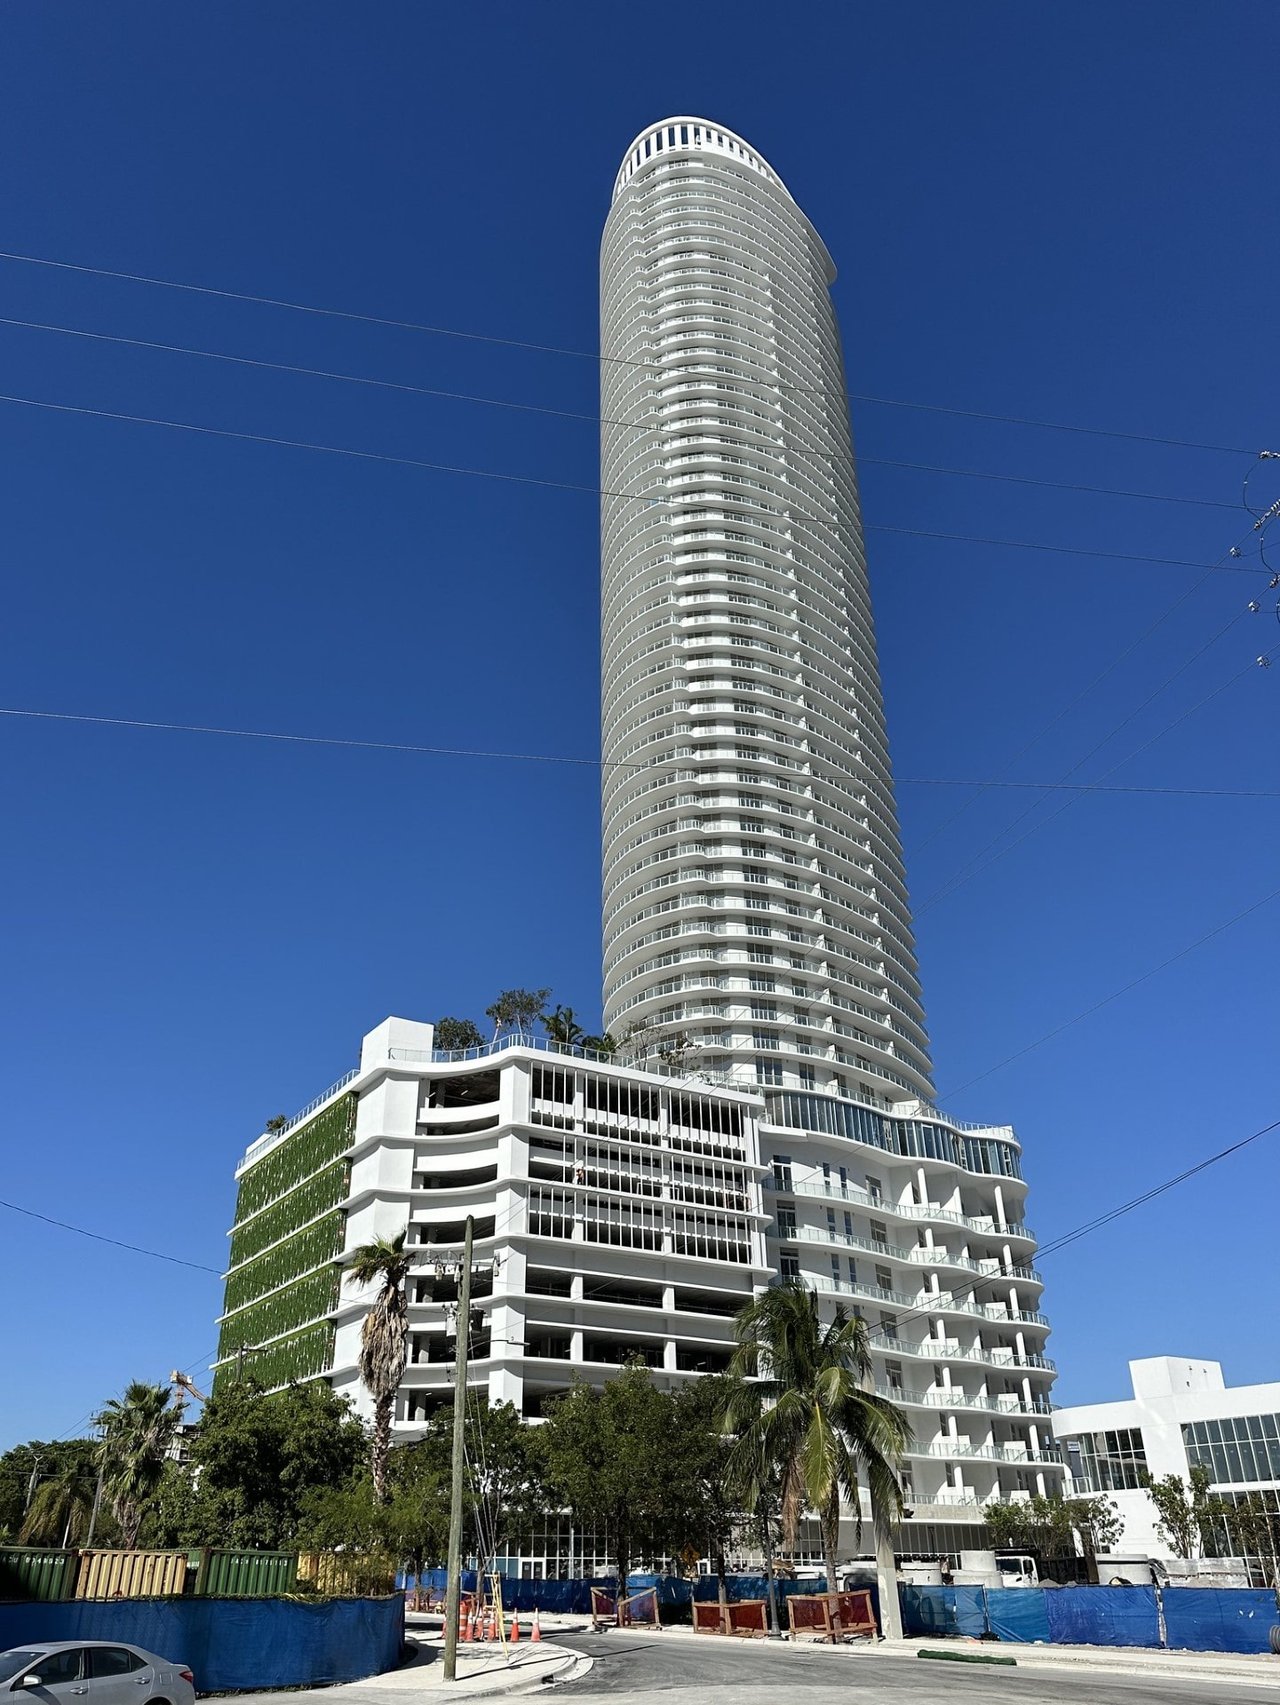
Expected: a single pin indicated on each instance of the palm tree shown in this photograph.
(383, 1341)
(806, 1418)
(137, 1431)
(59, 1512)
(561, 1026)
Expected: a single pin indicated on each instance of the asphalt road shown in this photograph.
(755, 1673)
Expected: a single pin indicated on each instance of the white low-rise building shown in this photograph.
(1182, 1415)
(624, 1212)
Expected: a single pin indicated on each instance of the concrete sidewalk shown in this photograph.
(483, 1672)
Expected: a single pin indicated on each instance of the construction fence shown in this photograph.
(32, 1574)
(231, 1644)
(1196, 1619)
(1204, 1619)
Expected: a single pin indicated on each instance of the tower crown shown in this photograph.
(691, 135)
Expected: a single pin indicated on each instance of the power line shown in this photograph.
(578, 414)
(604, 763)
(1087, 787)
(97, 1236)
(979, 863)
(1065, 1239)
(316, 739)
(584, 354)
(1085, 692)
(657, 495)
(1135, 982)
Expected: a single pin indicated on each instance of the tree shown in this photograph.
(411, 1529)
(562, 1027)
(255, 1461)
(1052, 1525)
(383, 1340)
(1186, 1514)
(700, 1461)
(1098, 1522)
(137, 1431)
(454, 1035)
(810, 1419)
(505, 1485)
(607, 1457)
(1253, 1526)
(274, 1126)
(61, 1507)
(604, 1043)
(26, 1467)
(517, 1010)
(646, 1040)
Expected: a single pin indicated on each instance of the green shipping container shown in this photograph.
(28, 1573)
(245, 1574)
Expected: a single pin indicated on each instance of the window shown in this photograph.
(786, 1219)
(875, 1189)
(58, 1667)
(782, 1172)
(835, 1269)
(853, 1269)
(1237, 1450)
(107, 1661)
(889, 1327)
(879, 1232)
(1112, 1461)
(789, 1264)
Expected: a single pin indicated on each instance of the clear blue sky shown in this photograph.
(1060, 212)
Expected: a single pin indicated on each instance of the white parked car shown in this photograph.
(93, 1672)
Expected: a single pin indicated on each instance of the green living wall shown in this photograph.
(287, 1237)
(297, 1156)
(305, 1355)
(325, 1190)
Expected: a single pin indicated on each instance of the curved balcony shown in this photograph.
(986, 1226)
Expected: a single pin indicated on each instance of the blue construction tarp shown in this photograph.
(231, 1644)
(1018, 1613)
(1102, 1616)
(938, 1611)
(1219, 1619)
(568, 1598)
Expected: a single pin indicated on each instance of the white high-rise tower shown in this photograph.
(755, 902)
(755, 898)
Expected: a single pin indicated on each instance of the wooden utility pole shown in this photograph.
(97, 1504)
(454, 1583)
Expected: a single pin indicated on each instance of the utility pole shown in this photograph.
(453, 1587)
(765, 1507)
(886, 1574)
(97, 1504)
(31, 1485)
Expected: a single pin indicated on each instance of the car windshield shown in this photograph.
(13, 1663)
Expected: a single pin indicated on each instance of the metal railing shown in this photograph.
(986, 1225)
(269, 1138)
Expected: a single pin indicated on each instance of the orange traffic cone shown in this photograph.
(515, 1630)
(537, 1628)
(468, 1623)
